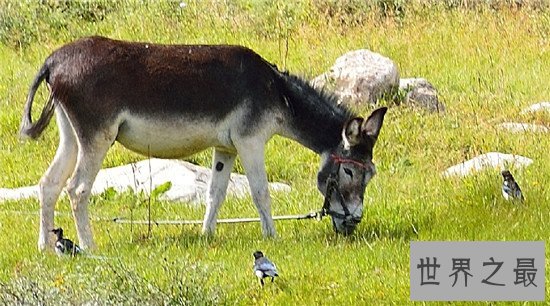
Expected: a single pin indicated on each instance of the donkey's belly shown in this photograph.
(170, 138)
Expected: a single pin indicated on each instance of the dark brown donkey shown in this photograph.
(171, 101)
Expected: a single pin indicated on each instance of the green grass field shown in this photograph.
(487, 61)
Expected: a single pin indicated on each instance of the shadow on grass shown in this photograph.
(404, 224)
(372, 229)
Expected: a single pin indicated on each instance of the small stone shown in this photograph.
(538, 107)
(523, 127)
(421, 93)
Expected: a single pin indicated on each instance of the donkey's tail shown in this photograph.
(27, 127)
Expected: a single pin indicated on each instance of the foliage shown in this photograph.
(110, 283)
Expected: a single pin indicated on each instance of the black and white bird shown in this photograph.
(263, 267)
(64, 246)
(510, 188)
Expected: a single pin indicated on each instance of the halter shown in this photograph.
(332, 186)
(340, 160)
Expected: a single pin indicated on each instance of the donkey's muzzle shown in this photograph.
(345, 226)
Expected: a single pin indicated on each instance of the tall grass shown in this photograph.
(488, 61)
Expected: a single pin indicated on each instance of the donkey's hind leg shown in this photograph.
(91, 152)
(252, 153)
(222, 164)
(53, 181)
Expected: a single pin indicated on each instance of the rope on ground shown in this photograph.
(120, 220)
(317, 215)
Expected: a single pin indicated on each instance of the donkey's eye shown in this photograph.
(348, 172)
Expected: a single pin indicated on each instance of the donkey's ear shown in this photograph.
(352, 132)
(371, 127)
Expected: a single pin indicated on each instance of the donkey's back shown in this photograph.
(159, 95)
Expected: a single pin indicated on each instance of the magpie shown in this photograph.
(263, 267)
(64, 246)
(510, 188)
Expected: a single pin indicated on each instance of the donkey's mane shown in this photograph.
(318, 119)
(317, 99)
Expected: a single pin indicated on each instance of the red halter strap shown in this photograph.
(340, 160)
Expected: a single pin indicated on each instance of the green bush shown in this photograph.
(22, 22)
(111, 283)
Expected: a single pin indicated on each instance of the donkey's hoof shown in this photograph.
(270, 233)
(88, 247)
(46, 242)
(208, 231)
(43, 247)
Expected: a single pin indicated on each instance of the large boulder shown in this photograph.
(422, 94)
(188, 181)
(360, 76)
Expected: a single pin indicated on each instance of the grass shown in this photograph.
(488, 62)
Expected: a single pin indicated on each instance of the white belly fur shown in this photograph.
(166, 137)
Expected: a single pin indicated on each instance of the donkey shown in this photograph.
(171, 101)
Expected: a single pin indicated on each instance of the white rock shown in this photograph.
(360, 76)
(18, 193)
(542, 106)
(189, 182)
(523, 127)
(488, 160)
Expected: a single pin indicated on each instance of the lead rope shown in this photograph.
(318, 215)
(332, 185)
(328, 195)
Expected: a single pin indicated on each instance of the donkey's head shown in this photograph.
(347, 169)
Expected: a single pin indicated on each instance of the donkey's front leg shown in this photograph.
(222, 164)
(252, 157)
